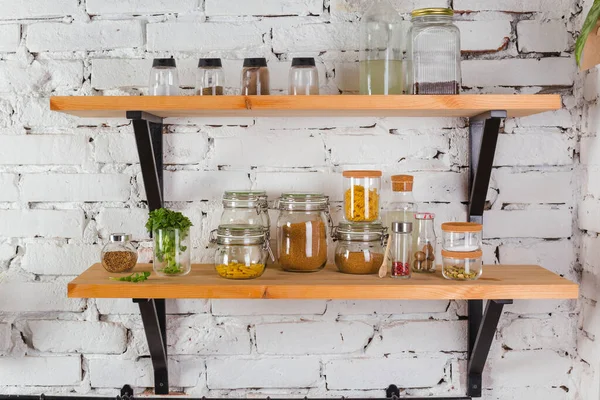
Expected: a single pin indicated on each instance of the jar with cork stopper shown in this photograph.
(402, 208)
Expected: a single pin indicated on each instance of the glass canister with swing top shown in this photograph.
(302, 231)
(242, 251)
(360, 247)
(246, 207)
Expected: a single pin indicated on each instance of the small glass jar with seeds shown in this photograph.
(119, 255)
(462, 265)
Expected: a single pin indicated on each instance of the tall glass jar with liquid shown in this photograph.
(381, 69)
(402, 208)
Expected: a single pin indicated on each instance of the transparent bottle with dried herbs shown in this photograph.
(119, 255)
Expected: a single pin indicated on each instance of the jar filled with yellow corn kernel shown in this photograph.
(361, 195)
(242, 251)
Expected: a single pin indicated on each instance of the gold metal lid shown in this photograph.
(422, 12)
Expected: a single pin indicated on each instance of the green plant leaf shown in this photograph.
(136, 277)
(588, 25)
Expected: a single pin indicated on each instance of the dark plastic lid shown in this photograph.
(303, 62)
(164, 62)
(255, 62)
(209, 62)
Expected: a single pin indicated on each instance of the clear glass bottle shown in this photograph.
(362, 190)
(255, 77)
(242, 251)
(119, 255)
(304, 77)
(210, 78)
(403, 205)
(302, 231)
(401, 249)
(434, 52)
(171, 252)
(381, 67)
(424, 247)
(360, 247)
(164, 80)
(248, 207)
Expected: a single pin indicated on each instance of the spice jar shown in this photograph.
(425, 243)
(304, 77)
(164, 80)
(302, 231)
(361, 195)
(462, 266)
(210, 78)
(360, 247)
(119, 255)
(241, 252)
(400, 249)
(248, 207)
(435, 52)
(461, 236)
(255, 77)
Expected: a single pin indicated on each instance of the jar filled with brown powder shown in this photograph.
(302, 231)
(360, 247)
(119, 255)
(255, 77)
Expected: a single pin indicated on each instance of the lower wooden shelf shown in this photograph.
(498, 282)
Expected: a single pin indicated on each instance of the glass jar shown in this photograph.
(242, 251)
(402, 207)
(462, 266)
(425, 244)
(361, 195)
(461, 236)
(248, 207)
(171, 252)
(119, 255)
(302, 231)
(164, 80)
(304, 77)
(360, 247)
(210, 78)
(434, 52)
(381, 69)
(255, 77)
(401, 249)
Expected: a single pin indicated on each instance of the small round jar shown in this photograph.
(360, 247)
(242, 251)
(462, 266)
(302, 231)
(461, 236)
(304, 77)
(119, 255)
(164, 79)
(361, 195)
(249, 207)
(210, 78)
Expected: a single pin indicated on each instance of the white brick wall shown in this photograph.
(67, 183)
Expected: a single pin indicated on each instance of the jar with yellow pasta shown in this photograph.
(361, 195)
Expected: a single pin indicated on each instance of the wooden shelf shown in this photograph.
(466, 105)
(497, 282)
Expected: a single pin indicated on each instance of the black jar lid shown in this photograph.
(163, 62)
(303, 62)
(209, 62)
(255, 62)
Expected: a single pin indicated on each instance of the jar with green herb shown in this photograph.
(171, 236)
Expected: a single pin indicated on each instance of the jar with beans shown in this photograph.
(462, 266)
(242, 251)
(360, 247)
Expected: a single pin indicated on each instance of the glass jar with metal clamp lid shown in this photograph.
(360, 247)
(242, 251)
(246, 207)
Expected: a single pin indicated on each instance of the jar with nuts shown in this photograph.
(425, 243)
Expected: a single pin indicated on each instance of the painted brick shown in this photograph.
(78, 337)
(484, 35)
(590, 150)
(363, 374)
(555, 255)
(169, 36)
(126, 306)
(42, 149)
(314, 38)
(10, 37)
(426, 336)
(592, 182)
(268, 8)
(96, 35)
(532, 187)
(551, 8)
(8, 183)
(556, 333)
(353, 9)
(139, 7)
(329, 184)
(543, 366)
(533, 150)
(40, 76)
(34, 112)
(75, 187)
(268, 307)
(305, 338)
(263, 373)
(588, 216)
(57, 259)
(542, 36)
(202, 185)
(518, 72)
(37, 9)
(131, 220)
(561, 118)
(5, 337)
(23, 297)
(385, 307)
(46, 223)
(527, 223)
(40, 371)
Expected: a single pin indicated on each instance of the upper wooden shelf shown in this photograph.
(465, 105)
(497, 282)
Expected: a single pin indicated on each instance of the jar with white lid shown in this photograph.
(362, 190)
(360, 247)
(461, 265)
(242, 251)
(461, 236)
(248, 207)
